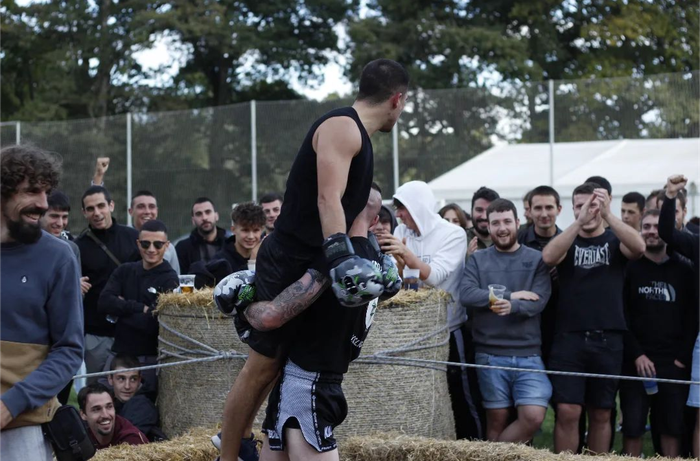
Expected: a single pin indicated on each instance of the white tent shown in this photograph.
(630, 165)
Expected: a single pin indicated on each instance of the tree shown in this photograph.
(507, 49)
(232, 44)
(72, 58)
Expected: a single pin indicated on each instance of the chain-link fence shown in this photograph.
(239, 152)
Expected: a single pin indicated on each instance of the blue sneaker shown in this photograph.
(247, 452)
(249, 449)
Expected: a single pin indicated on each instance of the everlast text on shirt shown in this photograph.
(592, 257)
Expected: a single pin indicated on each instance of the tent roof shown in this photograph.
(512, 170)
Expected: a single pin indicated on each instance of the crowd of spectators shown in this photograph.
(606, 295)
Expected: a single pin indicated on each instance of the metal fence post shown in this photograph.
(128, 167)
(551, 133)
(18, 137)
(253, 152)
(395, 154)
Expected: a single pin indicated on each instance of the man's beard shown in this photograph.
(24, 232)
(658, 248)
(203, 231)
(511, 241)
(483, 233)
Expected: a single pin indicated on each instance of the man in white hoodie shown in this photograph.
(436, 247)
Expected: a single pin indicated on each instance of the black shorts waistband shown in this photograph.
(292, 369)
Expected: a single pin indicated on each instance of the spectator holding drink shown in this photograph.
(506, 287)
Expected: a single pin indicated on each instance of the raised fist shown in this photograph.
(101, 166)
(674, 184)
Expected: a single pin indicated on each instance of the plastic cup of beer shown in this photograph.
(496, 292)
(251, 265)
(186, 283)
(411, 278)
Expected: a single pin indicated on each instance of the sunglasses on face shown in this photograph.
(146, 244)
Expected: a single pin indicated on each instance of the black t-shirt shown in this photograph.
(590, 285)
(330, 336)
(299, 217)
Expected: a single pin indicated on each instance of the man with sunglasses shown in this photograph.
(131, 294)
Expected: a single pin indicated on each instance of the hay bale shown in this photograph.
(195, 445)
(193, 395)
(380, 397)
(406, 399)
(393, 447)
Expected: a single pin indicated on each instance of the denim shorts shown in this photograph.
(694, 395)
(505, 389)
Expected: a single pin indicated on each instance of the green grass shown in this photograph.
(545, 438)
(73, 399)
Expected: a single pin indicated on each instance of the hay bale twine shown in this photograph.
(406, 399)
(193, 395)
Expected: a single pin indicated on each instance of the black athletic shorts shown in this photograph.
(306, 400)
(281, 261)
(595, 351)
(666, 406)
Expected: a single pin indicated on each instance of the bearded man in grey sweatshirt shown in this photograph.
(507, 331)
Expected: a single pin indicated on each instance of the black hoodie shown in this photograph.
(136, 333)
(660, 310)
(194, 248)
(230, 254)
(95, 264)
(685, 243)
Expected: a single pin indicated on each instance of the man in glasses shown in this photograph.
(131, 294)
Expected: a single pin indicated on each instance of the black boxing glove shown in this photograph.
(355, 281)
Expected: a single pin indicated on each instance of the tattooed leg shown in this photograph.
(269, 315)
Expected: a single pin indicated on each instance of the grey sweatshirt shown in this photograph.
(516, 334)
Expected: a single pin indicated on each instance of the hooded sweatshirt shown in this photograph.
(440, 244)
(230, 254)
(136, 333)
(195, 248)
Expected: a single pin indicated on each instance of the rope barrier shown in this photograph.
(384, 357)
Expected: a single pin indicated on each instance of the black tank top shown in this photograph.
(299, 218)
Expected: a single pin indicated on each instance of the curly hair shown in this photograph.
(248, 214)
(26, 161)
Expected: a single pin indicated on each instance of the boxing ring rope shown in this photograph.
(380, 358)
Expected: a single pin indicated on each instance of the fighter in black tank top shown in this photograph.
(295, 246)
(317, 205)
(299, 221)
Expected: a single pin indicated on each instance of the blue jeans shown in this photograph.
(694, 395)
(25, 442)
(505, 389)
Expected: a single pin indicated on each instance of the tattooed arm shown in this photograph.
(269, 315)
